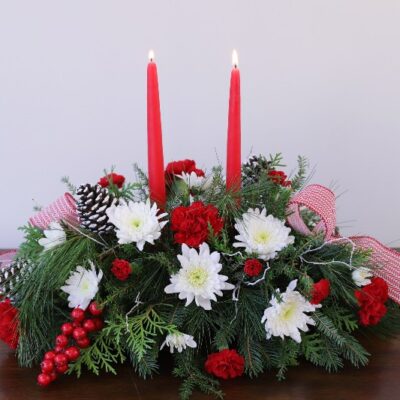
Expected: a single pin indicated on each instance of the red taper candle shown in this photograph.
(154, 137)
(233, 158)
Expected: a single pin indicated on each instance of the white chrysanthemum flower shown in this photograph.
(261, 234)
(361, 276)
(54, 236)
(82, 285)
(136, 222)
(199, 279)
(286, 314)
(195, 181)
(179, 341)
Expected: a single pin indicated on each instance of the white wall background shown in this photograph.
(319, 78)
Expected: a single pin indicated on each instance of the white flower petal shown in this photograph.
(287, 316)
(198, 278)
(136, 222)
(82, 286)
(261, 234)
(178, 341)
(54, 236)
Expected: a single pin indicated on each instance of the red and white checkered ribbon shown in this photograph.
(321, 201)
(64, 208)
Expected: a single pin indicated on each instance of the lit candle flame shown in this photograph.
(151, 55)
(235, 59)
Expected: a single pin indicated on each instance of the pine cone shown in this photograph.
(11, 275)
(92, 206)
(254, 168)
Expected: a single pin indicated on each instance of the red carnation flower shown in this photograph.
(372, 313)
(9, 323)
(320, 291)
(121, 269)
(117, 180)
(279, 177)
(179, 167)
(371, 299)
(191, 224)
(252, 267)
(226, 364)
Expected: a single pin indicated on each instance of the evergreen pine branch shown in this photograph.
(282, 354)
(147, 366)
(319, 351)
(348, 346)
(70, 186)
(342, 318)
(299, 180)
(194, 378)
(30, 249)
(275, 160)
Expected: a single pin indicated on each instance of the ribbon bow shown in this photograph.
(321, 201)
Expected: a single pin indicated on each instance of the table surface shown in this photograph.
(379, 380)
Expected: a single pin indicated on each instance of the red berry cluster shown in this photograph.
(56, 361)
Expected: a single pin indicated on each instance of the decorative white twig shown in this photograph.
(349, 264)
(258, 280)
(137, 304)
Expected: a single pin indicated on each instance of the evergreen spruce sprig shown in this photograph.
(187, 369)
(142, 181)
(30, 249)
(275, 161)
(70, 186)
(300, 178)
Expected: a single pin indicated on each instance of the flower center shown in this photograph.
(287, 311)
(197, 277)
(136, 223)
(85, 286)
(262, 237)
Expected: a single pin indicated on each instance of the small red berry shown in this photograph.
(62, 368)
(62, 341)
(89, 325)
(78, 314)
(72, 353)
(79, 333)
(60, 359)
(99, 323)
(47, 366)
(58, 349)
(53, 375)
(83, 343)
(67, 328)
(94, 309)
(44, 379)
(49, 355)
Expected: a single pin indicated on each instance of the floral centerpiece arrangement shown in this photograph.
(227, 275)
